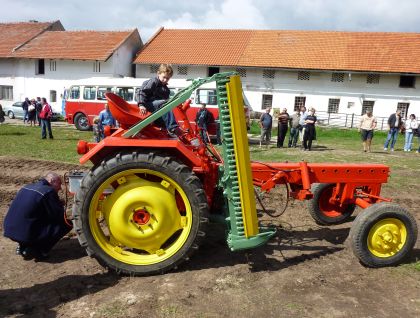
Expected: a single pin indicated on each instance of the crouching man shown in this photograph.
(36, 218)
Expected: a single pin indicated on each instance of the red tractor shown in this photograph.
(144, 206)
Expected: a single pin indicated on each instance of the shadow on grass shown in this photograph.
(12, 133)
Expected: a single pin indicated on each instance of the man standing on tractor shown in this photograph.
(154, 93)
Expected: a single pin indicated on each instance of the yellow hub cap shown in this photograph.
(140, 217)
(387, 237)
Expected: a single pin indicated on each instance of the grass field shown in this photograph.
(332, 145)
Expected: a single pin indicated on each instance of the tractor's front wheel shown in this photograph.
(140, 214)
(383, 235)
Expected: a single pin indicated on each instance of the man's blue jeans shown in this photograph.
(408, 140)
(46, 125)
(293, 137)
(392, 136)
(168, 118)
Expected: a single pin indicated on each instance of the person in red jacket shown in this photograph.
(45, 116)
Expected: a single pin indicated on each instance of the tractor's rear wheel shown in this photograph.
(325, 212)
(140, 214)
(383, 235)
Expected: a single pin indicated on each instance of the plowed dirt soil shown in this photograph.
(305, 271)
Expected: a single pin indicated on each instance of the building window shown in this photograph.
(6, 92)
(241, 72)
(299, 102)
(153, 69)
(53, 65)
(350, 104)
(303, 76)
(407, 81)
(213, 70)
(96, 67)
(333, 104)
(403, 107)
(267, 101)
(367, 105)
(89, 92)
(182, 70)
(40, 67)
(53, 96)
(337, 77)
(373, 78)
(269, 74)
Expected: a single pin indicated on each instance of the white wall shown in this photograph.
(318, 90)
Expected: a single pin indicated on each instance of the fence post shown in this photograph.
(328, 120)
(352, 118)
(345, 125)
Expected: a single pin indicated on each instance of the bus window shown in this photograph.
(102, 91)
(125, 93)
(206, 96)
(136, 97)
(89, 93)
(75, 92)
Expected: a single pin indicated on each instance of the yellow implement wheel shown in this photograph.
(383, 235)
(141, 214)
(387, 237)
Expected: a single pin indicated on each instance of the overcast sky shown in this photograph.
(147, 16)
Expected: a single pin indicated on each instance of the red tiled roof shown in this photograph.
(319, 50)
(75, 45)
(12, 35)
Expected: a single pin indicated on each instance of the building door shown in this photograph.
(404, 109)
(367, 105)
(299, 102)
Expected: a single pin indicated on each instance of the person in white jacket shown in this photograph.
(410, 125)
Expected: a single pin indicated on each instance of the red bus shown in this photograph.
(84, 102)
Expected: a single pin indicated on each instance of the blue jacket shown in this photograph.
(36, 215)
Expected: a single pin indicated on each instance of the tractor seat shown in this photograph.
(126, 114)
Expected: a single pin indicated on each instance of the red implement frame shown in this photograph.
(355, 183)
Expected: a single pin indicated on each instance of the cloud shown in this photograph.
(148, 16)
(232, 14)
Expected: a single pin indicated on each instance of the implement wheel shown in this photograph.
(140, 214)
(383, 235)
(323, 211)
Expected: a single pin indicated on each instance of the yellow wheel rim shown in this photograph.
(140, 217)
(387, 237)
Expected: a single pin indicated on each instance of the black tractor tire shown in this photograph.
(383, 235)
(322, 211)
(156, 166)
(81, 122)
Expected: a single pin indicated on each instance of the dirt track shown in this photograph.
(306, 271)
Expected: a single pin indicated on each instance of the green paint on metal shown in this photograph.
(228, 180)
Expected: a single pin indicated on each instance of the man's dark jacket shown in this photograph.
(392, 120)
(152, 90)
(36, 215)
